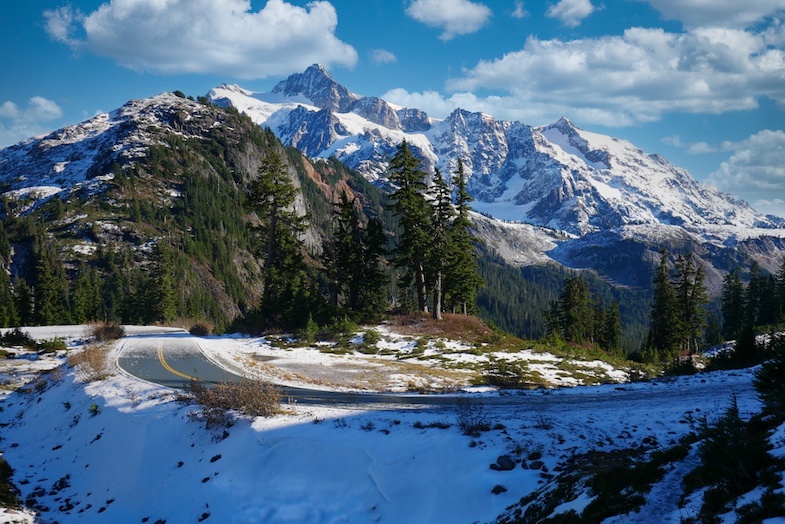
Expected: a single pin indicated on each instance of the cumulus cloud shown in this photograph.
(718, 13)
(455, 17)
(18, 123)
(570, 12)
(635, 77)
(204, 36)
(755, 171)
(382, 56)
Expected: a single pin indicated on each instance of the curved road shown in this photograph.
(174, 359)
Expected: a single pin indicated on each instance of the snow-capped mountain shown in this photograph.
(557, 176)
(76, 155)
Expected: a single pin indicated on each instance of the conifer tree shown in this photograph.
(576, 319)
(409, 204)
(278, 230)
(612, 331)
(8, 315)
(463, 276)
(50, 293)
(734, 318)
(691, 297)
(163, 293)
(441, 252)
(665, 324)
(353, 260)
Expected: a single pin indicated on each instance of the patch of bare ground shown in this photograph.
(467, 328)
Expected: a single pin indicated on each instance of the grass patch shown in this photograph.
(92, 362)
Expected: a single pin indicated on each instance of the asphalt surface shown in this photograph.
(173, 360)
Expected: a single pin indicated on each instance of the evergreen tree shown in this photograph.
(441, 252)
(665, 325)
(574, 311)
(286, 295)
(612, 331)
(409, 204)
(23, 302)
(50, 293)
(163, 292)
(8, 314)
(734, 317)
(691, 295)
(462, 274)
(354, 262)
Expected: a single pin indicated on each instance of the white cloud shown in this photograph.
(672, 140)
(571, 12)
(455, 17)
(756, 169)
(701, 148)
(204, 36)
(636, 77)
(718, 13)
(520, 10)
(382, 56)
(18, 123)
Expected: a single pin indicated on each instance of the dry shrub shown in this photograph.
(92, 362)
(255, 398)
(106, 331)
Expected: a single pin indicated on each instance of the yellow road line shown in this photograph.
(169, 368)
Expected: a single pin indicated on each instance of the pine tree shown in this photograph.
(734, 317)
(354, 262)
(442, 251)
(50, 293)
(612, 331)
(462, 275)
(691, 297)
(163, 292)
(409, 204)
(575, 314)
(278, 230)
(665, 324)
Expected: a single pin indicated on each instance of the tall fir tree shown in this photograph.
(734, 317)
(462, 275)
(665, 325)
(354, 261)
(409, 204)
(691, 297)
(441, 252)
(279, 230)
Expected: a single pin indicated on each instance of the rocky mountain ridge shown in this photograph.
(608, 203)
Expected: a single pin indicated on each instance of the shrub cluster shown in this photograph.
(255, 398)
(106, 331)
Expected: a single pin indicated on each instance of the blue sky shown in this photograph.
(701, 82)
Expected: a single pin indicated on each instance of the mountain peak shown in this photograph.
(316, 84)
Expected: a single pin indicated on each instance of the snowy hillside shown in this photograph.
(123, 450)
(76, 155)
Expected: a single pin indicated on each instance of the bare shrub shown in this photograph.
(92, 362)
(471, 418)
(255, 398)
(106, 331)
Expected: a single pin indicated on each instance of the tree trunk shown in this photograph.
(437, 297)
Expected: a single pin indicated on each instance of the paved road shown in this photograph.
(173, 360)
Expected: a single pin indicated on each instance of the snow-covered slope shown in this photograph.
(75, 155)
(123, 450)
